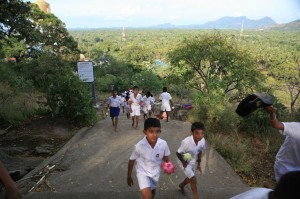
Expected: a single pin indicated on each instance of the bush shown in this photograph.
(216, 112)
(70, 98)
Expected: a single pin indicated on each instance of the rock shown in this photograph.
(42, 150)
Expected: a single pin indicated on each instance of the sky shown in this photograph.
(142, 13)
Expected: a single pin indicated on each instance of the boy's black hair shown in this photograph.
(127, 97)
(151, 122)
(197, 125)
(135, 87)
(165, 89)
(288, 186)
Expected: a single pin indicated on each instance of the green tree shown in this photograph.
(286, 69)
(217, 62)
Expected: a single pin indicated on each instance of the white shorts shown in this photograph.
(136, 111)
(165, 107)
(146, 181)
(189, 170)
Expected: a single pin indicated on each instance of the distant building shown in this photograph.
(123, 35)
(43, 5)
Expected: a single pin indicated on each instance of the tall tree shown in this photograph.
(217, 62)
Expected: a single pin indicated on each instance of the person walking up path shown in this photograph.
(166, 102)
(114, 103)
(135, 106)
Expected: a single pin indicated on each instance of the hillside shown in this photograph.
(294, 25)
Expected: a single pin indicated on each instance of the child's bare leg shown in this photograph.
(146, 193)
(136, 122)
(116, 123)
(113, 122)
(194, 187)
(153, 193)
(167, 112)
(133, 120)
(182, 185)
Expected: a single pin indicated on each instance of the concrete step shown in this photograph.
(213, 193)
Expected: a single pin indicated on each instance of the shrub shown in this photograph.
(70, 98)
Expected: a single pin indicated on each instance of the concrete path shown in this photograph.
(93, 164)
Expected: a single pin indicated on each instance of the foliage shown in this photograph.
(217, 63)
(147, 81)
(70, 98)
(15, 21)
(16, 103)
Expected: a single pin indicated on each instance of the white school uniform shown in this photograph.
(165, 98)
(135, 106)
(255, 193)
(114, 102)
(126, 107)
(188, 146)
(148, 161)
(147, 104)
(288, 156)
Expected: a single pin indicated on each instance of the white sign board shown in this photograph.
(85, 71)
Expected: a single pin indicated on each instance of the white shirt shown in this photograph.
(255, 193)
(152, 100)
(149, 159)
(146, 100)
(114, 102)
(188, 145)
(165, 98)
(288, 156)
(135, 101)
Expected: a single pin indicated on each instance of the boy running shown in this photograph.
(135, 107)
(194, 145)
(114, 102)
(149, 153)
(166, 100)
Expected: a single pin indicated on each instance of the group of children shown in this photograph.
(133, 103)
(152, 151)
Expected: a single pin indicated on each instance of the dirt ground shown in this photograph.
(18, 147)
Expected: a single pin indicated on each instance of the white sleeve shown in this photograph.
(292, 129)
(135, 154)
(183, 147)
(167, 150)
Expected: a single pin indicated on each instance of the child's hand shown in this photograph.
(184, 164)
(129, 181)
(270, 109)
(199, 168)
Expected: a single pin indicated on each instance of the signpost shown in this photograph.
(86, 74)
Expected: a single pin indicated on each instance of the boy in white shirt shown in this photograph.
(194, 145)
(166, 101)
(114, 103)
(149, 153)
(288, 156)
(135, 107)
(147, 105)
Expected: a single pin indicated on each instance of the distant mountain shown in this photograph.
(294, 25)
(163, 26)
(235, 23)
